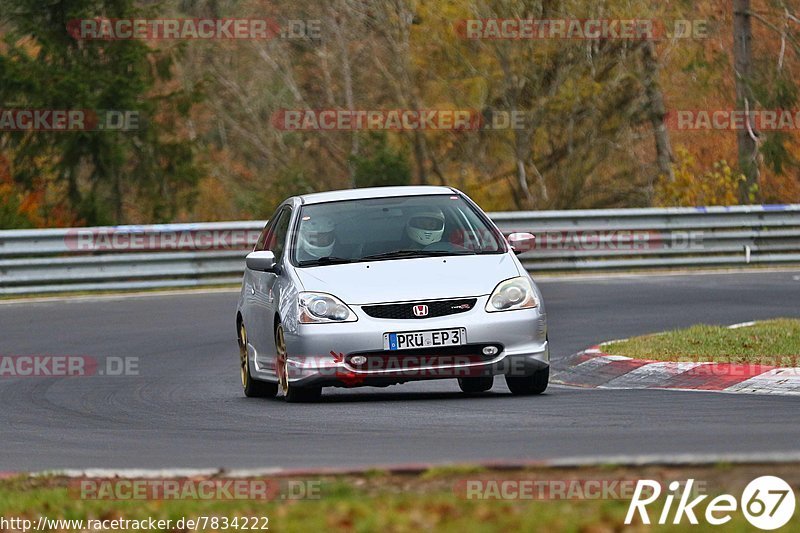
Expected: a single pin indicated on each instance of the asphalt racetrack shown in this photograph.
(185, 409)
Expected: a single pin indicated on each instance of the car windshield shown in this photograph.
(376, 229)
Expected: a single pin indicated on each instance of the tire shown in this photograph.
(476, 385)
(292, 393)
(529, 385)
(253, 388)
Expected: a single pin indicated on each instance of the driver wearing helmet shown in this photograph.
(425, 227)
(317, 237)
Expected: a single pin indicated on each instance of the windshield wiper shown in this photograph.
(394, 254)
(329, 260)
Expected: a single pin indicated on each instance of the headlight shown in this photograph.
(318, 307)
(514, 293)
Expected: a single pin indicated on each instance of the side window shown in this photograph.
(261, 244)
(268, 237)
(276, 241)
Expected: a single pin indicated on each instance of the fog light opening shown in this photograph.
(358, 360)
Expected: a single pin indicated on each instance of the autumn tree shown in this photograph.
(106, 176)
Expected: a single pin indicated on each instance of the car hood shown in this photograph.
(399, 280)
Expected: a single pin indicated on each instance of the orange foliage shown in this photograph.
(21, 208)
(698, 74)
(719, 186)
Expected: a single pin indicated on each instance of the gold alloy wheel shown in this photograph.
(243, 354)
(281, 363)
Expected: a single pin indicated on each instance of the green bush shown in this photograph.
(380, 165)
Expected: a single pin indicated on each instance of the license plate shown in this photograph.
(424, 339)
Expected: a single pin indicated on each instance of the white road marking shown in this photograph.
(742, 325)
(544, 277)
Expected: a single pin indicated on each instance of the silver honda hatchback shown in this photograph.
(380, 286)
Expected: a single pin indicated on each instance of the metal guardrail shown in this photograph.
(187, 255)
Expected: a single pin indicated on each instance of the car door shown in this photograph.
(248, 294)
(265, 292)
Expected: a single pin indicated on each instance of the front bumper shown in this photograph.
(320, 354)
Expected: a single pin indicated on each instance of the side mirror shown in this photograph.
(261, 261)
(521, 242)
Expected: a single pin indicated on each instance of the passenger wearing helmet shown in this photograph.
(317, 237)
(425, 227)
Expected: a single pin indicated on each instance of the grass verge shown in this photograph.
(412, 502)
(767, 342)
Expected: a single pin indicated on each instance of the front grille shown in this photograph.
(405, 311)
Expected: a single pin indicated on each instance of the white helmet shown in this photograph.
(426, 227)
(317, 236)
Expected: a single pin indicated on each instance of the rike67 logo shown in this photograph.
(767, 502)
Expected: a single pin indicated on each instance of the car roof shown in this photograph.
(373, 192)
